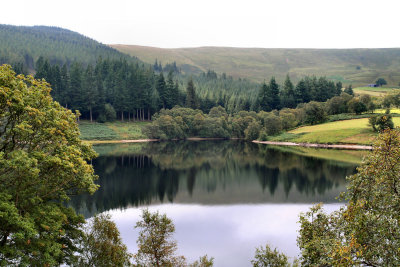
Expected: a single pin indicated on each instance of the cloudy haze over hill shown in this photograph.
(251, 23)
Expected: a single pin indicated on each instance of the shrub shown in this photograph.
(253, 131)
(108, 114)
(381, 122)
(314, 113)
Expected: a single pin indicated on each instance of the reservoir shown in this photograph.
(225, 197)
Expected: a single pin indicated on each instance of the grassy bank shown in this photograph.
(352, 131)
(112, 131)
(356, 131)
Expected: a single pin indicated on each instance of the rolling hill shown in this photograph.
(25, 44)
(356, 66)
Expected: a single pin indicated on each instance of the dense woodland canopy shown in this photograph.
(116, 88)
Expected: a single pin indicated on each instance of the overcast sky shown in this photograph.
(234, 23)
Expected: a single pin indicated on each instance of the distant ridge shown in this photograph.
(356, 66)
(25, 44)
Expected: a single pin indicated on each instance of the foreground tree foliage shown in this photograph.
(156, 246)
(43, 162)
(102, 244)
(266, 257)
(366, 231)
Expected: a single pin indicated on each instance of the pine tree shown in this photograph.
(178, 99)
(273, 93)
(90, 93)
(65, 86)
(120, 92)
(55, 82)
(76, 86)
(339, 88)
(264, 98)
(301, 92)
(42, 68)
(172, 93)
(287, 95)
(191, 98)
(99, 83)
(349, 90)
(155, 66)
(321, 90)
(162, 90)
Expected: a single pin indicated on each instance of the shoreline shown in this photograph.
(311, 145)
(344, 146)
(95, 142)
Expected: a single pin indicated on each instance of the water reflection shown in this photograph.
(211, 173)
(229, 233)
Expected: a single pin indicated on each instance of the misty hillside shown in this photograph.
(357, 66)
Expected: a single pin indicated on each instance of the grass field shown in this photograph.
(354, 131)
(112, 130)
(392, 110)
(373, 91)
(356, 66)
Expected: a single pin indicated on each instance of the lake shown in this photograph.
(225, 197)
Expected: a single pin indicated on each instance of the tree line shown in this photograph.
(113, 89)
(181, 123)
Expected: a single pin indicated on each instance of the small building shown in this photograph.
(372, 85)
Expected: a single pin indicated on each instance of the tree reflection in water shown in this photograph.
(209, 172)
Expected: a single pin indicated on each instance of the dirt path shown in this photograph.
(351, 147)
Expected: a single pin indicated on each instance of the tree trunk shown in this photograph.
(122, 116)
(90, 111)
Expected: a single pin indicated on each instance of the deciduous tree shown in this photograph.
(266, 257)
(156, 246)
(43, 162)
(380, 82)
(102, 245)
(365, 231)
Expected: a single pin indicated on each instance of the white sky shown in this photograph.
(235, 23)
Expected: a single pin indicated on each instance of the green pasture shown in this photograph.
(373, 91)
(356, 131)
(392, 110)
(112, 130)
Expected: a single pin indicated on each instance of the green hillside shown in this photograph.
(23, 44)
(356, 66)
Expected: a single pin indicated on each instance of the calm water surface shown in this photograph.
(225, 197)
